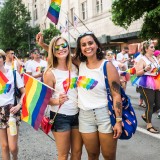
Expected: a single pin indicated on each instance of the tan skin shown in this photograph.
(68, 139)
(9, 144)
(141, 65)
(93, 141)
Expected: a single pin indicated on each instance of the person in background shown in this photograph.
(157, 55)
(37, 66)
(10, 58)
(8, 142)
(123, 58)
(147, 69)
(94, 119)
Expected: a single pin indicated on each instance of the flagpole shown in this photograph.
(82, 22)
(48, 86)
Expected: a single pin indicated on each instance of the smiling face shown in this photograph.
(88, 46)
(61, 49)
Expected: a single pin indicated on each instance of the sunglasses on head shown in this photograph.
(85, 33)
(63, 45)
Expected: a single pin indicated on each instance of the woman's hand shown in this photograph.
(15, 109)
(39, 39)
(147, 68)
(117, 130)
(62, 98)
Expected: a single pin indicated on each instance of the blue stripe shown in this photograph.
(53, 12)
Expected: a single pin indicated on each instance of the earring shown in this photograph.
(99, 50)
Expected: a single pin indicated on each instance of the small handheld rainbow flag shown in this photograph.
(53, 11)
(131, 70)
(35, 101)
(21, 70)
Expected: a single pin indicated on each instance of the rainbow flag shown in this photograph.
(131, 70)
(21, 70)
(4, 87)
(35, 101)
(53, 11)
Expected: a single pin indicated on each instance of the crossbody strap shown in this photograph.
(52, 120)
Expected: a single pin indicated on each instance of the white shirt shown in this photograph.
(6, 66)
(36, 67)
(92, 92)
(121, 57)
(8, 98)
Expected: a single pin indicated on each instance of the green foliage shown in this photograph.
(48, 34)
(125, 12)
(15, 31)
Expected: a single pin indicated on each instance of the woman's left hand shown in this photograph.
(117, 130)
(15, 109)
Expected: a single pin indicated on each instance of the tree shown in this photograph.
(125, 12)
(50, 33)
(14, 26)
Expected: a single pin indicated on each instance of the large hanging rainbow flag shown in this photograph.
(4, 87)
(53, 11)
(35, 101)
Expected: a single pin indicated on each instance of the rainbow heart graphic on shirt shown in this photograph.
(87, 83)
(73, 83)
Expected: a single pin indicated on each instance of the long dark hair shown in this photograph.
(79, 55)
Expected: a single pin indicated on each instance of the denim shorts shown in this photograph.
(64, 122)
(95, 120)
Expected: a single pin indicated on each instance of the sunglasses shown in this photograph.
(85, 33)
(152, 47)
(109, 54)
(63, 45)
(1, 56)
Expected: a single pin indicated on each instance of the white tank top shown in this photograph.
(70, 107)
(154, 66)
(91, 87)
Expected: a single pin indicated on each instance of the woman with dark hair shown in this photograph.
(8, 141)
(94, 119)
(61, 75)
(149, 82)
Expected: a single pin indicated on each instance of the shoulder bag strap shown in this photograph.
(52, 120)
(15, 85)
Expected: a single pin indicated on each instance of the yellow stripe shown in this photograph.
(29, 97)
(147, 103)
(57, 2)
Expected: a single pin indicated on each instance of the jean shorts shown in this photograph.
(64, 122)
(95, 120)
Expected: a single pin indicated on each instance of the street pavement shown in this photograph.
(35, 145)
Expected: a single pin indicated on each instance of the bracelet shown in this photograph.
(119, 119)
(20, 104)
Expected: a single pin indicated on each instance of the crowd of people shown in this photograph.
(79, 104)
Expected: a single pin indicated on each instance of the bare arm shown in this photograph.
(114, 83)
(40, 42)
(141, 67)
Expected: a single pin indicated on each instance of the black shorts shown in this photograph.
(64, 122)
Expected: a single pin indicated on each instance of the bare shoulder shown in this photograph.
(49, 77)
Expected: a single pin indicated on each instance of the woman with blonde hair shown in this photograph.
(9, 141)
(149, 82)
(61, 75)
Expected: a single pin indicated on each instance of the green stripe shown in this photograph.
(55, 6)
(34, 101)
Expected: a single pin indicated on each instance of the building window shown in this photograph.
(84, 10)
(72, 15)
(99, 6)
(35, 14)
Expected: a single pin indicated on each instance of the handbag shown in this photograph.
(129, 120)
(17, 92)
(46, 123)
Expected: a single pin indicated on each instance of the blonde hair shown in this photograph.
(2, 53)
(145, 45)
(52, 59)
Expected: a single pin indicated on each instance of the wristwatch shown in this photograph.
(119, 119)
